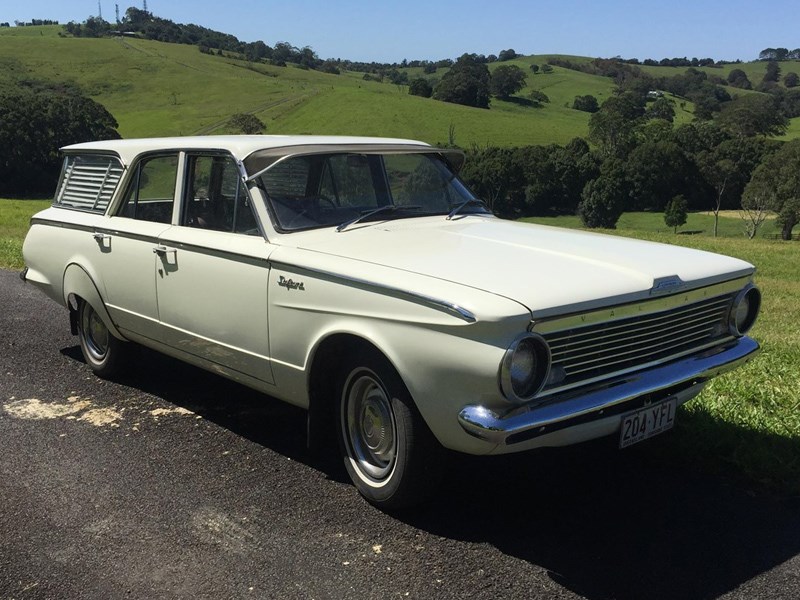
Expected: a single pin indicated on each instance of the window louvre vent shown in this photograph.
(89, 182)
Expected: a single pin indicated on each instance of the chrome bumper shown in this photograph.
(613, 397)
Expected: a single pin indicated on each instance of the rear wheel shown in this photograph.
(104, 353)
(389, 453)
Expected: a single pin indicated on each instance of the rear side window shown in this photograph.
(88, 182)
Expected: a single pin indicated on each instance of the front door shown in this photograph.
(212, 271)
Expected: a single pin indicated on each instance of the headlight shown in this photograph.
(524, 369)
(744, 310)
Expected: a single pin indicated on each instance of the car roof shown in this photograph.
(240, 146)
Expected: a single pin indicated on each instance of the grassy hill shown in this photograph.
(155, 88)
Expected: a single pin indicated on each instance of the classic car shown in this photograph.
(360, 279)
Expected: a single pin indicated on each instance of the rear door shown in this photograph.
(127, 244)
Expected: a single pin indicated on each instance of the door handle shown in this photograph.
(163, 250)
(101, 237)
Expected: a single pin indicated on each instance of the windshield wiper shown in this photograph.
(381, 209)
(464, 204)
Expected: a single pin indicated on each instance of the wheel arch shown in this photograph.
(324, 363)
(78, 284)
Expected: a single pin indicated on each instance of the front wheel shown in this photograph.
(389, 453)
(104, 353)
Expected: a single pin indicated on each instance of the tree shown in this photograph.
(603, 199)
(420, 87)
(778, 175)
(738, 78)
(613, 125)
(774, 54)
(257, 51)
(661, 109)
(773, 71)
(507, 55)
(496, 176)
(754, 114)
(467, 82)
(699, 136)
(551, 177)
(657, 171)
(284, 52)
(329, 66)
(587, 103)
(757, 202)
(246, 123)
(507, 80)
(534, 69)
(676, 213)
(546, 68)
(35, 122)
(718, 172)
(791, 79)
(538, 98)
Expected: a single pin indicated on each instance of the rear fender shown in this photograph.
(78, 284)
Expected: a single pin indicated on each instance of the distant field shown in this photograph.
(156, 89)
(697, 224)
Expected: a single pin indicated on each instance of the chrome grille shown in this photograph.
(599, 350)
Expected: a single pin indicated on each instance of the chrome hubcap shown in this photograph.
(369, 427)
(95, 333)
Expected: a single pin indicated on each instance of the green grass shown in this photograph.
(697, 224)
(793, 131)
(15, 216)
(746, 423)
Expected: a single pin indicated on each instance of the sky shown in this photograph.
(434, 29)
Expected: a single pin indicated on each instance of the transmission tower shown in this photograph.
(99, 10)
(116, 7)
(145, 5)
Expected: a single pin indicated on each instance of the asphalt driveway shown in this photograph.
(175, 483)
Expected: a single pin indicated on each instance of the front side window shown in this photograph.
(310, 191)
(215, 197)
(151, 192)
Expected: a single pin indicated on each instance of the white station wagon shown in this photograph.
(360, 279)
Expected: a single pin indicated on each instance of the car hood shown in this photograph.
(547, 269)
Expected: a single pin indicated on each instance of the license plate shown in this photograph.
(646, 422)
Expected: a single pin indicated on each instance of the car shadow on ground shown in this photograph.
(603, 523)
(618, 524)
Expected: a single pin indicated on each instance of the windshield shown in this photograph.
(321, 190)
